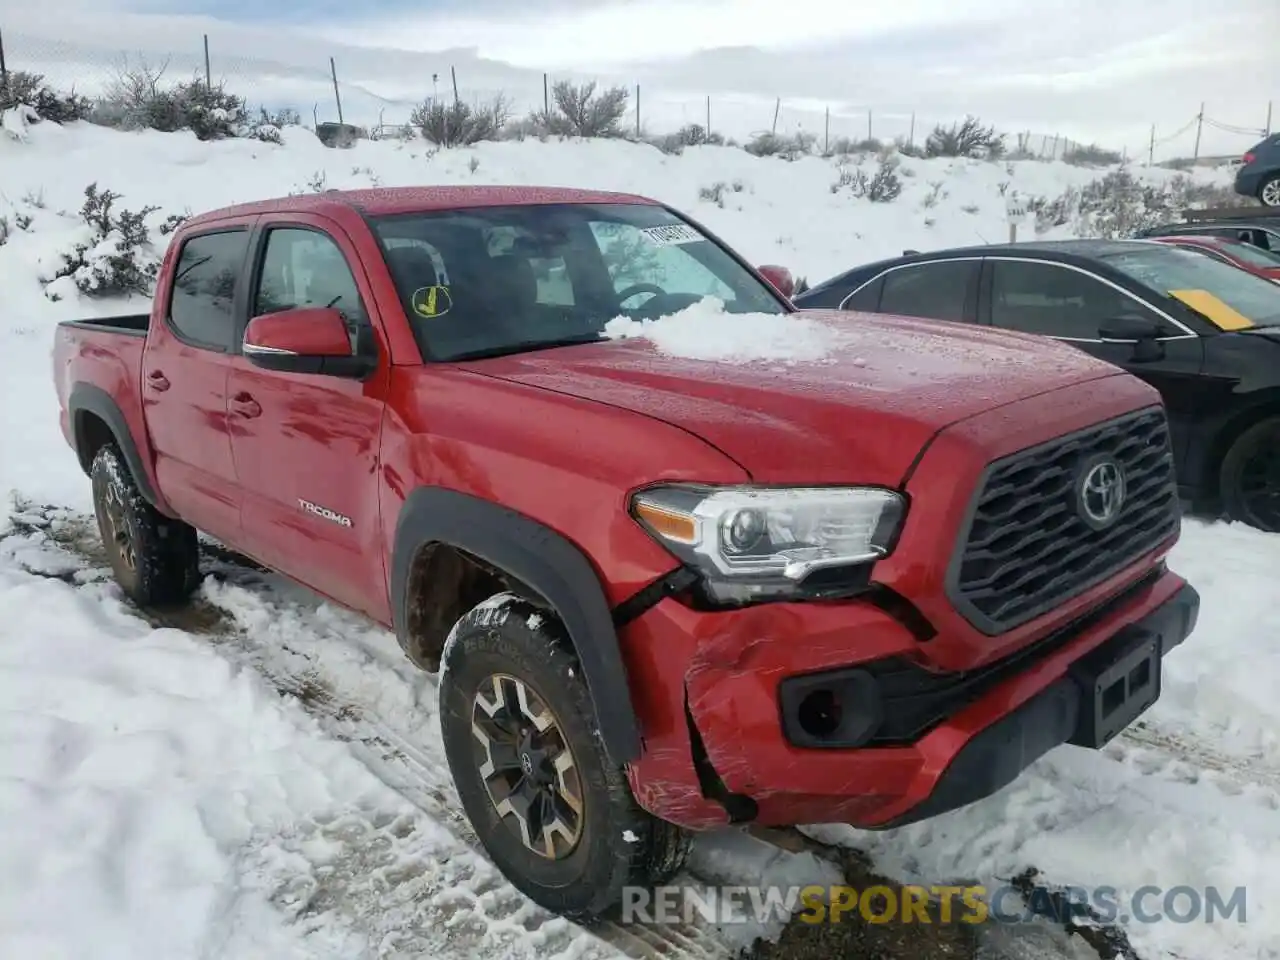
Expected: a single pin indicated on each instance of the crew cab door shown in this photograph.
(306, 446)
(1068, 303)
(185, 367)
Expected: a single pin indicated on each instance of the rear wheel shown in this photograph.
(1269, 192)
(1250, 479)
(552, 811)
(155, 559)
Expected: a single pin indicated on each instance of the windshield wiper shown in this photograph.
(524, 346)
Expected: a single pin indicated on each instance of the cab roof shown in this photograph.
(385, 201)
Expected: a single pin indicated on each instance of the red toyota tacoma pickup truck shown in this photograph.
(662, 594)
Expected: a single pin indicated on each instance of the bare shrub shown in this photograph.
(794, 147)
(937, 192)
(577, 110)
(1091, 155)
(696, 135)
(1119, 205)
(851, 178)
(458, 124)
(137, 99)
(1213, 195)
(884, 186)
(908, 148)
(969, 138)
(690, 135)
(714, 193)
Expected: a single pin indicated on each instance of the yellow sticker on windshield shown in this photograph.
(432, 302)
(1222, 316)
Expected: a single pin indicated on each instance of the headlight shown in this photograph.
(758, 542)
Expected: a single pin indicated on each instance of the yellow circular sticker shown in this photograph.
(431, 301)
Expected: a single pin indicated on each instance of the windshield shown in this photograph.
(486, 281)
(1167, 269)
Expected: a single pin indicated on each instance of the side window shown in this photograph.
(1056, 301)
(305, 268)
(204, 287)
(867, 299)
(633, 259)
(935, 291)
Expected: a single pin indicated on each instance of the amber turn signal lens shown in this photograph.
(678, 527)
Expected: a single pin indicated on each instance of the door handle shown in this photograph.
(246, 406)
(157, 381)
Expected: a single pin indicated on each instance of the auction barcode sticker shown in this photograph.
(673, 233)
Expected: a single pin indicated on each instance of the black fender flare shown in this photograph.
(545, 561)
(87, 398)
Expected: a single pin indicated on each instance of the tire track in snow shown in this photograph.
(1158, 752)
(352, 677)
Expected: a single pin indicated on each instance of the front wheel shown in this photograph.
(1250, 477)
(554, 814)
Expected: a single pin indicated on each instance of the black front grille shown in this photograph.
(1027, 548)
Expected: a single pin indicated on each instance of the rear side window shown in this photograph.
(935, 291)
(204, 286)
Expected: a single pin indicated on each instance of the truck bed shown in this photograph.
(103, 355)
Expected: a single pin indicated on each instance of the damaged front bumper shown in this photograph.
(825, 713)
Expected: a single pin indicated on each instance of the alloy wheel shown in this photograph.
(527, 766)
(116, 536)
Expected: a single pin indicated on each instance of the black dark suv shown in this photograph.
(1259, 173)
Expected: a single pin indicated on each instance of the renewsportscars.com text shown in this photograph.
(912, 903)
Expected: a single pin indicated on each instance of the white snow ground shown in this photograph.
(264, 778)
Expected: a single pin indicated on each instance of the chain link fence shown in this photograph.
(379, 97)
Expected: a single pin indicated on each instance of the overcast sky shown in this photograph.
(1091, 68)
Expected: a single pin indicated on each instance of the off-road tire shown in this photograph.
(1247, 445)
(1269, 192)
(165, 567)
(619, 844)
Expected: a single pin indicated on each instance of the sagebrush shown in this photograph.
(968, 138)
(19, 87)
(458, 124)
(118, 258)
(1118, 205)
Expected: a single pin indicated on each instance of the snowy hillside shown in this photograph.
(263, 777)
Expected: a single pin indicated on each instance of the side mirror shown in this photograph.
(1142, 332)
(304, 340)
(1129, 329)
(780, 279)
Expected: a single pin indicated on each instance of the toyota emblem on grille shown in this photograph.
(1101, 492)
